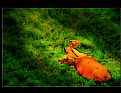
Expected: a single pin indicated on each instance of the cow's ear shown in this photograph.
(69, 57)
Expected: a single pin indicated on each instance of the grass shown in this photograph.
(34, 39)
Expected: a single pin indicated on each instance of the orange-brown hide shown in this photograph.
(72, 51)
(87, 67)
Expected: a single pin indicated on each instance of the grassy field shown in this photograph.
(34, 39)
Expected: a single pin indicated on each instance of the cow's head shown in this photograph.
(75, 42)
(67, 59)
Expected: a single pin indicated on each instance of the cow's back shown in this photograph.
(90, 68)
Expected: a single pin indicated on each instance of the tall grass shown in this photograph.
(34, 39)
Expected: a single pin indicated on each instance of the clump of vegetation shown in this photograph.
(34, 39)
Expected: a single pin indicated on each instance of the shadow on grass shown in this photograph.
(18, 64)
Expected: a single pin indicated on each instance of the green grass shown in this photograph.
(34, 39)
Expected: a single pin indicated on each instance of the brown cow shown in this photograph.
(87, 67)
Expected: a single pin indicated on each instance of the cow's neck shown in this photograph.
(71, 46)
